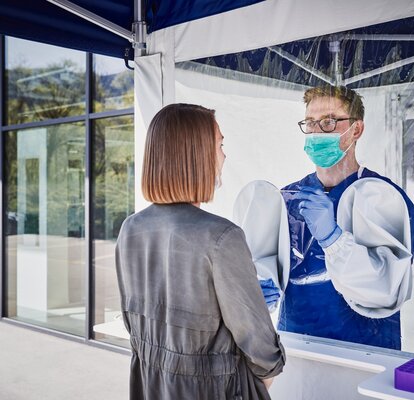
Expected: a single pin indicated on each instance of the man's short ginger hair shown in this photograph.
(350, 99)
(179, 163)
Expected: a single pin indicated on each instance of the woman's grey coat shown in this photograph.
(199, 326)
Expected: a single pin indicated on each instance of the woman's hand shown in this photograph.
(268, 382)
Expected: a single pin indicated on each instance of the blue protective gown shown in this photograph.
(311, 304)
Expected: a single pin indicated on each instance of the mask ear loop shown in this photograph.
(342, 134)
(349, 147)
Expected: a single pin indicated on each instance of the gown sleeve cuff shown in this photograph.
(332, 238)
(343, 240)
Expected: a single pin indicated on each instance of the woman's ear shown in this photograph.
(358, 129)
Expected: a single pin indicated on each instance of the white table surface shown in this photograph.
(379, 386)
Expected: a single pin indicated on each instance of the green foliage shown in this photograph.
(57, 91)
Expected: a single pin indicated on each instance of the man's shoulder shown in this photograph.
(367, 173)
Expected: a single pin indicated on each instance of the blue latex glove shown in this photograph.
(318, 211)
(270, 292)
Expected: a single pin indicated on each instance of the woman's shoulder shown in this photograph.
(217, 220)
(209, 227)
(223, 230)
(135, 219)
(179, 215)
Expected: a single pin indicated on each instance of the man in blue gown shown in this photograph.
(341, 286)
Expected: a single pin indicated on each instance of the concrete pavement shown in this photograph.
(38, 366)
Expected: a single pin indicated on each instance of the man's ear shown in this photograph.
(358, 129)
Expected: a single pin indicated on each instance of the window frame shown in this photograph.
(87, 118)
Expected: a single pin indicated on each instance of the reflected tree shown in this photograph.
(36, 94)
(114, 91)
(113, 173)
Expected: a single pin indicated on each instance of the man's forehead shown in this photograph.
(325, 106)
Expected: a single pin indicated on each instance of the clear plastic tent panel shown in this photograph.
(258, 98)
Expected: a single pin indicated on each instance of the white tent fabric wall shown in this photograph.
(263, 24)
(273, 22)
(258, 137)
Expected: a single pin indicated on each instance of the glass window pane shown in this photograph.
(258, 96)
(43, 81)
(113, 201)
(113, 84)
(45, 230)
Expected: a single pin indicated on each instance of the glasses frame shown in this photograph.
(302, 124)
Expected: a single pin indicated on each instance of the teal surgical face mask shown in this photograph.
(323, 148)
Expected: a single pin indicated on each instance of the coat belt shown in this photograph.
(184, 364)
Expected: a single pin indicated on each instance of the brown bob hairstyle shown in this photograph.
(180, 155)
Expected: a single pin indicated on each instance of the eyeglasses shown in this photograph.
(326, 125)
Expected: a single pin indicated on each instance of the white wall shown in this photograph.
(311, 380)
(261, 137)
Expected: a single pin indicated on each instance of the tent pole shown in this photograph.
(380, 70)
(139, 29)
(94, 18)
(301, 64)
(334, 49)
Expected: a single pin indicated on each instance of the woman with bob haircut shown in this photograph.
(198, 322)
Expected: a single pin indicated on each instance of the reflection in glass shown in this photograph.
(346, 59)
(45, 246)
(113, 84)
(43, 82)
(407, 320)
(258, 96)
(113, 201)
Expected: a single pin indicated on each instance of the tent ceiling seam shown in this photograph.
(384, 38)
(364, 37)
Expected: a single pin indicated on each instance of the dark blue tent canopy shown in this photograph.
(41, 21)
(44, 22)
(162, 14)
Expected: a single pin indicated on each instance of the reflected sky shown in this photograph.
(37, 55)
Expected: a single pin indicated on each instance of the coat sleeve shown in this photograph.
(243, 307)
(371, 263)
